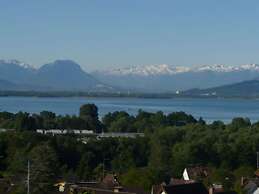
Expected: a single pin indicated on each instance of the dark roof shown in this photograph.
(110, 181)
(250, 187)
(193, 188)
(174, 181)
(226, 192)
(218, 189)
(99, 190)
(197, 172)
(108, 185)
(132, 189)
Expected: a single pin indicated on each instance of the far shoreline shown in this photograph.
(72, 94)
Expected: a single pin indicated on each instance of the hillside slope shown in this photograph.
(241, 89)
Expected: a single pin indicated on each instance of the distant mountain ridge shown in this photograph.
(16, 63)
(67, 75)
(165, 69)
(61, 75)
(242, 89)
(168, 78)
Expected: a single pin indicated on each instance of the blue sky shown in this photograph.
(102, 34)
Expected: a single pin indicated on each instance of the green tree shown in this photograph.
(138, 177)
(85, 167)
(89, 113)
(48, 119)
(239, 122)
(23, 121)
(87, 110)
(111, 117)
(180, 118)
(44, 169)
(225, 177)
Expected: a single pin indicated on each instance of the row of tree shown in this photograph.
(22, 121)
(88, 119)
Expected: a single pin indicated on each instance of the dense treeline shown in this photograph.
(171, 143)
(88, 119)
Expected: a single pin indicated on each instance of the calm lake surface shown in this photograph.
(209, 109)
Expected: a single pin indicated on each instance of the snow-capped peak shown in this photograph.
(228, 68)
(216, 68)
(250, 67)
(146, 70)
(165, 69)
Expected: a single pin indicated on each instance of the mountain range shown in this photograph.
(67, 75)
(242, 89)
(61, 75)
(168, 78)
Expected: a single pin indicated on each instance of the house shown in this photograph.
(109, 185)
(219, 189)
(180, 187)
(216, 188)
(250, 185)
(195, 173)
(199, 173)
(174, 181)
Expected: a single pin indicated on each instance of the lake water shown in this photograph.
(209, 109)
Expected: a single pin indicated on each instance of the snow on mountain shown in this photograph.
(164, 78)
(250, 67)
(216, 68)
(147, 70)
(16, 62)
(228, 68)
(68, 75)
(65, 75)
(165, 69)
